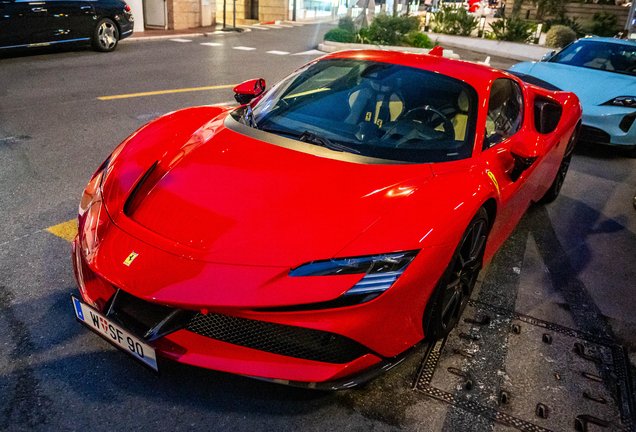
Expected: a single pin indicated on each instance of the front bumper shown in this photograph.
(609, 125)
(126, 23)
(377, 332)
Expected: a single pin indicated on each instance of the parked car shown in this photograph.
(602, 73)
(100, 23)
(313, 235)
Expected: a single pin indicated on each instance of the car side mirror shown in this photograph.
(548, 56)
(524, 152)
(248, 90)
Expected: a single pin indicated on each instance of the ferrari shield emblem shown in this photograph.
(128, 261)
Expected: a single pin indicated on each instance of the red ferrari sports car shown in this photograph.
(314, 234)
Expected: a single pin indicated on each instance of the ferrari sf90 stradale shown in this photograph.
(314, 234)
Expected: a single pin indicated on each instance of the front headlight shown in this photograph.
(623, 101)
(380, 270)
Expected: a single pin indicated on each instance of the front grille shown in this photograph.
(593, 134)
(145, 319)
(290, 341)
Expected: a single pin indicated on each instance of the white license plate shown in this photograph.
(115, 334)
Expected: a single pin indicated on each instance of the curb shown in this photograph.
(510, 50)
(160, 37)
(331, 47)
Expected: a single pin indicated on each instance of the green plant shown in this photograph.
(604, 24)
(454, 21)
(340, 35)
(564, 21)
(346, 23)
(418, 40)
(512, 29)
(391, 30)
(559, 36)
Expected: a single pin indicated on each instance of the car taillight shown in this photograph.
(127, 8)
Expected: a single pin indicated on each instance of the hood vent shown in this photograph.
(138, 193)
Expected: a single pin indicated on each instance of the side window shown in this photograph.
(505, 112)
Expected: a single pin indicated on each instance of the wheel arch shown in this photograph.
(491, 208)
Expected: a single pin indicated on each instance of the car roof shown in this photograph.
(608, 39)
(477, 76)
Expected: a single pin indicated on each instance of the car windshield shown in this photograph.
(373, 109)
(607, 56)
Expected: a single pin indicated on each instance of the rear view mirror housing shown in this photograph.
(524, 153)
(248, 90)
(548, 56)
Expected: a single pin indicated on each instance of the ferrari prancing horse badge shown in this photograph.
(130, 258)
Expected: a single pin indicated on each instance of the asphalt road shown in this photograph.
(571, 262)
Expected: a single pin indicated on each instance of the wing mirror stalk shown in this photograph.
(548, 56)
(248, 90)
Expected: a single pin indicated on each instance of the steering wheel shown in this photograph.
(419, 123)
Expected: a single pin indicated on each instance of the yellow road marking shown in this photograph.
(160, 92)
(66, 230)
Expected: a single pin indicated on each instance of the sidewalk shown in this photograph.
(152, 34)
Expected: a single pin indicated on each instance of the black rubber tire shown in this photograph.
(448, 301)
(105, 35)
(555, 188)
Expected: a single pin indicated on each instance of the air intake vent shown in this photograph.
(135, 196)
(291, 341)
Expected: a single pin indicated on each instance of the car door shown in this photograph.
(504, 127)
(22, 22)
(72, 20)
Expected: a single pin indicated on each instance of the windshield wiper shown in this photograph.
(312, 138)
(249, 117)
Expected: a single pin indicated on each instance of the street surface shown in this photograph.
(570, 263)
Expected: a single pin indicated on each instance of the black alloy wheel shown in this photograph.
(456, 284)
(555, 188)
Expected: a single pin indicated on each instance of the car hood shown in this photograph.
(220, 196)
(592, 86)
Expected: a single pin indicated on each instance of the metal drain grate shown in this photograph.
(552, 378)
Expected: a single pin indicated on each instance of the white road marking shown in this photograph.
(244, 48)
(276, 26)
(278, 52)
(257, 27)
(181, 40)
(310, 52)
(211, 43)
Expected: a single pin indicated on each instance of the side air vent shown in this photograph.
(547, 115)
(135, 196)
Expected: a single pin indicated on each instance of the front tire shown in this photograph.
(456, 284)
(106, 36)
